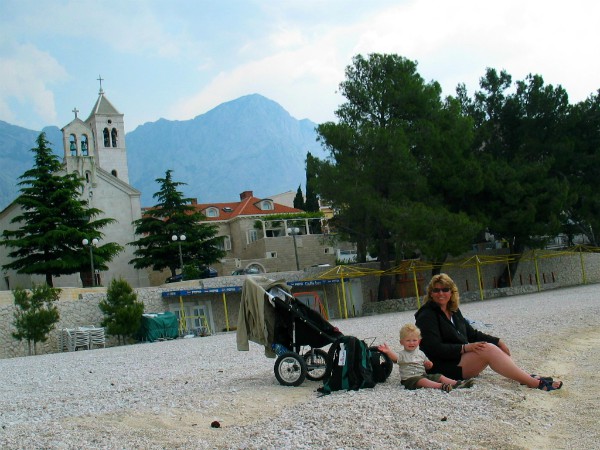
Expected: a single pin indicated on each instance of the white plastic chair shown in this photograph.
(81, 339)
(97, 337)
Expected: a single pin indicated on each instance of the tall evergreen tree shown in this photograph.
(53, 222)
(581, 163)
(174, 215)
(395, 144)
(299, 199)
(519, 137)
(122, 312)
(36, 314)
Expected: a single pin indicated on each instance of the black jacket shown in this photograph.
(442, 340)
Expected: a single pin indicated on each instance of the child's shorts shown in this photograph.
(411, 383)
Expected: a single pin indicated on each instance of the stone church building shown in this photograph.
(94, 149)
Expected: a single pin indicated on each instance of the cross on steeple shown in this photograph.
(75, 110)
(100, 80)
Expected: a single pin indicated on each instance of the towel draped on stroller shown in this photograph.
(289, 330)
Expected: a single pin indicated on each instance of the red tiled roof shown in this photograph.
(248, 206)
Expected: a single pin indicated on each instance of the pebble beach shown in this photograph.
(172, 394)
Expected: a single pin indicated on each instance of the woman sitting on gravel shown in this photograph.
(459, 351)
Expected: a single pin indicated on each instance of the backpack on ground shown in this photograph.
(381, 364)
(349, 366)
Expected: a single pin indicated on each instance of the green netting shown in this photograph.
(159, 326)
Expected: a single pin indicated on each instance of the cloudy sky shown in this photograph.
(177, 59)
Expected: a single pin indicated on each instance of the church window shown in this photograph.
(87, 177)
(113, 135)
(114, 173)
(106, 138)
(84, 145)
(73, 145)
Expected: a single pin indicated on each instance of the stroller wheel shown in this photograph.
(316, 364)
(290, 369)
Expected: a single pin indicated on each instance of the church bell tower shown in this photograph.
(108, 132)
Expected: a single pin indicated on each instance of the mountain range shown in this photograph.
(247, 144)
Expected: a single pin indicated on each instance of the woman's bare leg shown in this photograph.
(473, 363)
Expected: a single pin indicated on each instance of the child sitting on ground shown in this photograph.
(413, 364)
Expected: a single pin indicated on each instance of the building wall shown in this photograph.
(312, 250)
(117, 201)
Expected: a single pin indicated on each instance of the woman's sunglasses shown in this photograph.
(436, 290)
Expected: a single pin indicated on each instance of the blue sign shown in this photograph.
(226, 289)
(314, 282)
(186, 292)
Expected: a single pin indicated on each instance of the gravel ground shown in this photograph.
(165, 395)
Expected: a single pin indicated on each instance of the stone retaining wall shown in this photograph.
(555, 270)
(79, 307)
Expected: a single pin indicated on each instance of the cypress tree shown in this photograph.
(299, 199)
(312, 201)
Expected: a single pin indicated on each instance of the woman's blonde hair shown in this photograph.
(447, 282)
(409, 328)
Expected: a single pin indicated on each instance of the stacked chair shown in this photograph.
(81, 338)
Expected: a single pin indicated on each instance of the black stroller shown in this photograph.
(289, 330)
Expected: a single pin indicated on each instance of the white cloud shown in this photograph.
(289, 52)
(26, 75)
(454, 42)
(133, 27)
(299, 76)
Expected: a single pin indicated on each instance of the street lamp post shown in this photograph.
(179, 239)
(294, 232)
(91, 244)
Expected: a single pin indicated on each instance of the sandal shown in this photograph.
(462, 384)
(537, 377)
(549, 379)
(446, 387)
(548, 386)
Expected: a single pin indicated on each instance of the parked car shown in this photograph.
(246, 271)
(207, 272)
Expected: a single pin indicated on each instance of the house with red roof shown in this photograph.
(261, 235)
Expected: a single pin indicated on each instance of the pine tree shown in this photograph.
(35, 315)
(299, 199)
(53, 222)
(174, 215)
(122, 311)
(399, 155)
